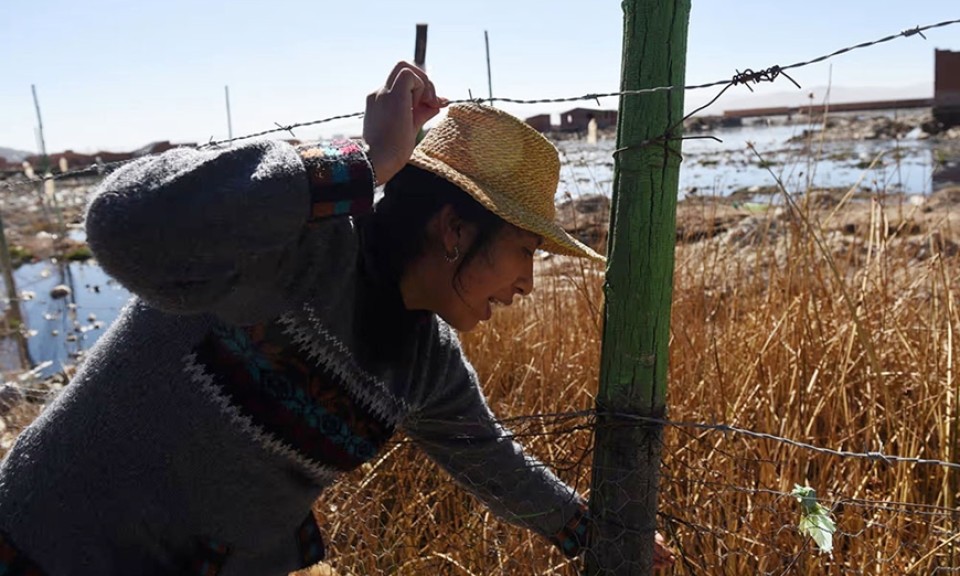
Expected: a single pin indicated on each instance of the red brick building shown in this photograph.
(540, 122)
(576, 120)
(946, 87)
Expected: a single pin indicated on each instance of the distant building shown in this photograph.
(540, 122)
(74, 160)
(946, 87)
(577, 119)
(155, 148)
(77, 161)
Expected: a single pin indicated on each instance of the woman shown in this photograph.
(281, 333)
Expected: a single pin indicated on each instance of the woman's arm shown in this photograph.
(451, 421)
(199, 231)
(224, 231)
(453, 424)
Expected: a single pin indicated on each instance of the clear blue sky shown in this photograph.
(117, 74)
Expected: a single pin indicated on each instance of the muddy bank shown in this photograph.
(22, 397)
(43, 220)
(879, 126)
(851, 212)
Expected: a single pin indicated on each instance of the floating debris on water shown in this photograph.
(60, 291)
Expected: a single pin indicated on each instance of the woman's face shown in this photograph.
(498, 272)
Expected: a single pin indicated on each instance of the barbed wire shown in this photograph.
(875, 456)
(907, 508)
(626, 419)
(762, 533)
(938, 519)
(744, 78)
(591, 416)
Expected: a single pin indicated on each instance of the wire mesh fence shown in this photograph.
(802, 355)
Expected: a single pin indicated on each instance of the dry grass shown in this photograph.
(854, 351)
(13, 419)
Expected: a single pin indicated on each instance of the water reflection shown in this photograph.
(60, 329)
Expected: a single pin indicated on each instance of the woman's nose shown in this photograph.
(524, 284)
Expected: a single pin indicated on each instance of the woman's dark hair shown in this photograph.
(395, 235)
(410, 200)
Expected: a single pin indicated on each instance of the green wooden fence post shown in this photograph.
(638, 290)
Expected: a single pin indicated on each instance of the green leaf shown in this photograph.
(815, 521)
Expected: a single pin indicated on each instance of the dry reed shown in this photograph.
(842, 337)
(837, 329)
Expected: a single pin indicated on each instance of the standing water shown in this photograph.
(798, 159)
(60, 329)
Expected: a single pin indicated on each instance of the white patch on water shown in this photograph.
(712, 168)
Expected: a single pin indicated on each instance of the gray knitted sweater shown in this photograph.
(235, 386)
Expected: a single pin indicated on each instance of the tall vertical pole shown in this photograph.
(226, 93)
(486, 40)
(638, 291)
(420, 47)
(420, 58)
(8, 274)
(14, 313)
(43, 144)
(46, 185)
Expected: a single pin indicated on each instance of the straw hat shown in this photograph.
(506, 165)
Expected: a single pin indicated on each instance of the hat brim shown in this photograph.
(555, 238)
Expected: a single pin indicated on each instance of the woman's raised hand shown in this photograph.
(394, 115)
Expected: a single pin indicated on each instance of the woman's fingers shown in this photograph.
(423, 101)
(429, 93)
(662, 556)
(397, 69)
(394, 115)
(428, 106)
(408, 89)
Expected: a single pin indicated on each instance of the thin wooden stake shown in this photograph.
(14, 312)
(226, 94)
(486, 39)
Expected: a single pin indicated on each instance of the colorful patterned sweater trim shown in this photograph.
(572, 539)
(300, 401)
(341, 179)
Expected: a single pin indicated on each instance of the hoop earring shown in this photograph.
(454, 256)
